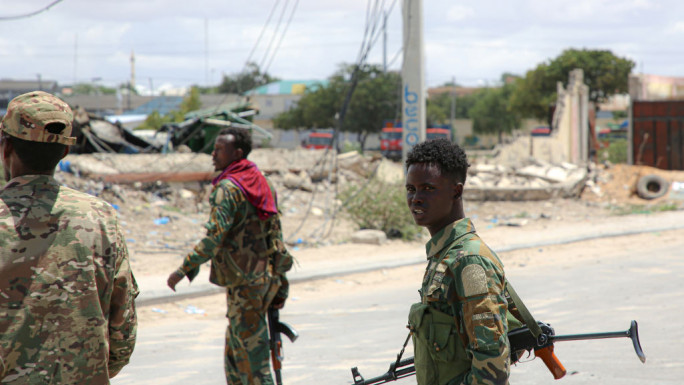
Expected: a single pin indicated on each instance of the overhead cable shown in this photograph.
(282, 35)
(30, 14)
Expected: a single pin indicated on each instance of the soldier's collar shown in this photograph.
(450, 234)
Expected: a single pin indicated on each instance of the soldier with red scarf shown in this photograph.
(245, 246)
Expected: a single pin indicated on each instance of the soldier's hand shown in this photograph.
(173, 280)
(278, 303)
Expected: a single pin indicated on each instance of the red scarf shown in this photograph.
(253, 184)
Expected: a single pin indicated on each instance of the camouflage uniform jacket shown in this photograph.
(243, 249)
(460, 323)
(67, 313)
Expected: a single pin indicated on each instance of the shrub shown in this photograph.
(616, 152)
(382, 206)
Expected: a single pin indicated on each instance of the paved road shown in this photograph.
(638, 278)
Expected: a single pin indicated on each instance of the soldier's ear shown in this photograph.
(458, 190)
(6, 147)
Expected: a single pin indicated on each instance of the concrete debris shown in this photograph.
(531, 180)
(152, 187)
(318, 170)
(94, 134)
(300, 181)
(372, 237)
(97, 165)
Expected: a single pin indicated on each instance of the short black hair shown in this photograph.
(243, 138)
(448, 157)
(38, 156)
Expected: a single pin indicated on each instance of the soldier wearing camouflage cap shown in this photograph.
(67, 313)
(460, 325)
(244, 243)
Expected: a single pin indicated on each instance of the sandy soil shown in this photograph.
(562, 256)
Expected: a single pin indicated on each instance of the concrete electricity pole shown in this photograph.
(384, 43)
(413, 75)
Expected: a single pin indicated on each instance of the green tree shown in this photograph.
(439, 107)
(604, 73)
(375, 98)
(250, 78)
(92, 89)
(191, 101)
(155, 120)
(493, 113)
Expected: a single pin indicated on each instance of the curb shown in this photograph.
(210, 289)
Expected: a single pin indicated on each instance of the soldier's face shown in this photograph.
(225, 152)
(432, 197)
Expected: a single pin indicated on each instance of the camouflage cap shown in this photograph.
(28, 114)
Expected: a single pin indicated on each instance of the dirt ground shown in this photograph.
(563, 256)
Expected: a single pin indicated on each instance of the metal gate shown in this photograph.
(657, 134)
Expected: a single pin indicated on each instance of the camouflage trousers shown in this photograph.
(247, 351)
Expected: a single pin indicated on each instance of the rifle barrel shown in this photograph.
(632, 333)
(589, 336)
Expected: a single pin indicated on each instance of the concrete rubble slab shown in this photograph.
(313, 170)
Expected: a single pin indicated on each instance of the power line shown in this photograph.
(30, 14)
(282, 35)
(275, 32)
(261, 34)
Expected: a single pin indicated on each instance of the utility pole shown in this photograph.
(413, 77)
(75, 58)
(453, 100)
(384, 44)
(206, 52)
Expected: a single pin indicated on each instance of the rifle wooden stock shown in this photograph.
(552, 362)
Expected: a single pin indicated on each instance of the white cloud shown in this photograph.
(459, 12)
(677, 28)
(468, 40)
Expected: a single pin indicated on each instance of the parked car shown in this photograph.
(541, 131)
(318, 139)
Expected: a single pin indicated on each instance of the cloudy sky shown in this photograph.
(184, 42)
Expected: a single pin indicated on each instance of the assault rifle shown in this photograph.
(521, 341)
(275, 328)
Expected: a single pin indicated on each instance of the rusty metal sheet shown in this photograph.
(658, 134)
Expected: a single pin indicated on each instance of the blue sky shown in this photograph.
(181, 42)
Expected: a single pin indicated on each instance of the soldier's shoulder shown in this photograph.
(225, 189)
(80, 200)
(473, 249)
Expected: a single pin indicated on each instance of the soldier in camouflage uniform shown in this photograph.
(459, 327)
(245, 245)
(67, 313)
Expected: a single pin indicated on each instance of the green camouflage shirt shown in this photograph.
(67, 313)
(465, 281)
(243, 249)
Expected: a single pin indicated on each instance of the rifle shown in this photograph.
(275, 328)
(521, 340)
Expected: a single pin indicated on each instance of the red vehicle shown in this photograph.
(318, 139)
(541, 131)
(390, 139)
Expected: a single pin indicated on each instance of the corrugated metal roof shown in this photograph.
(287, 87)
(27, 85)
(162, 104)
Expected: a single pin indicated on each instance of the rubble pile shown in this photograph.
(166, 208)
(530, 180)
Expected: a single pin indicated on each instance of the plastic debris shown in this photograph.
(190, 309)
(161, 221)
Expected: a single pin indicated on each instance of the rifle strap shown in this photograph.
(527, 316)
